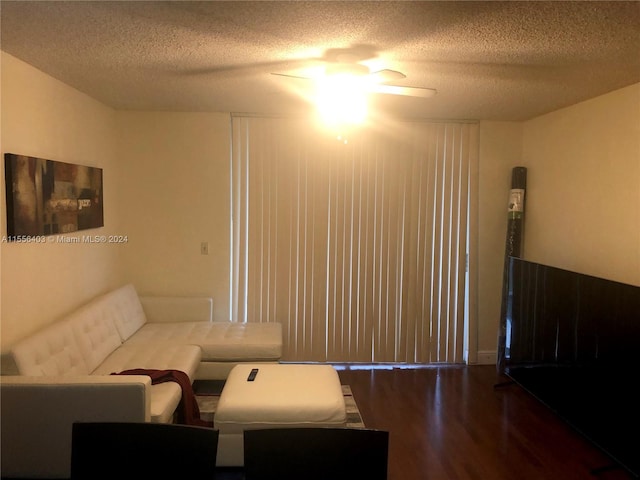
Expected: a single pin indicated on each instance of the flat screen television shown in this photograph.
(572, 341)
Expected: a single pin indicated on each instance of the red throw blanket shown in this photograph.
(188, 410)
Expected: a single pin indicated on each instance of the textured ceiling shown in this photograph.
(487, 60)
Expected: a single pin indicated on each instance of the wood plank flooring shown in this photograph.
(458, 423)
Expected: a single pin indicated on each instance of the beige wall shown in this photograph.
(583, 187)
(45, 118)
(174, 189)
(582, 201)
(500, 151)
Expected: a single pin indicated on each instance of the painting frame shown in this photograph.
(48, 197)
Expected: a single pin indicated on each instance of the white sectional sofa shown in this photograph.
(64, 371)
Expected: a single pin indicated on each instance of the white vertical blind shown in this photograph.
(358, 249)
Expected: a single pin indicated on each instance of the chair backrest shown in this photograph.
(142, 450)
(315, 453)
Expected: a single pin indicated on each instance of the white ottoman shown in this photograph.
(282, 395)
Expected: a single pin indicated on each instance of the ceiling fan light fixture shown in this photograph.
(341, 100)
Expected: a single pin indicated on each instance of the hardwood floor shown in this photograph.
(458, 423)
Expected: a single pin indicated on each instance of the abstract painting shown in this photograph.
(47, 197)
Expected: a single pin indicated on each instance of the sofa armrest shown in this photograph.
(177, 309)
(37, 414)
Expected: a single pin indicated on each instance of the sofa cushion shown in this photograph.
(128, 314)
(95, 331)
(185, 358)
(165, 397)
(246, 342)
(52, 351)
(219, 341)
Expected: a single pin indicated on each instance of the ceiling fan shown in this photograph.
(340, 63)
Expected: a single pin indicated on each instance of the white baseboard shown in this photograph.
(487, 357)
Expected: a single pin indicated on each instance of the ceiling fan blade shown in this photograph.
(291, 76)
(256, 67)
(406, 91)
(386, 76)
